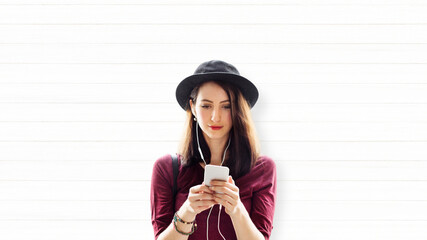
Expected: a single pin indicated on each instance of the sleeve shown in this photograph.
(264, 199)
(161, 196)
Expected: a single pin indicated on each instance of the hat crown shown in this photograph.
(216, 66)
(215, 70)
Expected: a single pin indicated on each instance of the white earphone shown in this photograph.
(203, 158)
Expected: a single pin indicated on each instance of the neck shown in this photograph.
(217, 148)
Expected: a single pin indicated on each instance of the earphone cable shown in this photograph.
(207, 224)
(220, 206)
(200, 149)
(219, 217)
(198, 144)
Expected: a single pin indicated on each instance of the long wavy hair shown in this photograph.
(244, 146)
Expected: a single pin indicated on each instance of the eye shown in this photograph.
(206, 106)
(227, 106)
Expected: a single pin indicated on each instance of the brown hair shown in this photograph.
(244, 146)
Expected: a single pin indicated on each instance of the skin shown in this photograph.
(213, 109)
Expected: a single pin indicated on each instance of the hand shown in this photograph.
(226, 194)
(199, 199)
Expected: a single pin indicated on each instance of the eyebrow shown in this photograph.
(206, 100)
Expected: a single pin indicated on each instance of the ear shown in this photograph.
(192, 107)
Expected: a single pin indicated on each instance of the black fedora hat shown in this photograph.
(215, 70)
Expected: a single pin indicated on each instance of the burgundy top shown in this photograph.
(257, 193)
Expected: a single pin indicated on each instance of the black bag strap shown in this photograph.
(175, 176)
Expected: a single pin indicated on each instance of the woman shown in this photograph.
(219, 131)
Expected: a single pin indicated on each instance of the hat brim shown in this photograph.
(183, 91)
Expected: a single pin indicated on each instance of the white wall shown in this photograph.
(87, 104)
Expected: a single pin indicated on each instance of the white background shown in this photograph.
(87, 105)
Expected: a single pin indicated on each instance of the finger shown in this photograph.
(200, 197)
(232, 187)
(216, 183)
(200, 188)
(217, 188)
(226, 191)
(200, 206)
(228, 197)
(194, 189)
(228, 206)
(203, 204)
(230, 180)
(224, 203)
(206, 189)
(197, 188)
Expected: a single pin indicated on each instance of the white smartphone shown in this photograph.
(213, 172)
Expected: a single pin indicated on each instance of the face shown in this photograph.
(213, 111)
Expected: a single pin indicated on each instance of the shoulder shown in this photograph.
(265, 168)
(163, 166)
(165, 159)
(265, 163)
(261, 176)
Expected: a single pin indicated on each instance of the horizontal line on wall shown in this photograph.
(193, 63)
(189, 4)
(72, 220)
(350, 180)
(91, 180)
(351, 220)
(211, 4)
(213, 43)
(105, 200)
(120, 103)
(216, 24)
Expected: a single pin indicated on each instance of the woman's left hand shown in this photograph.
(227, 194)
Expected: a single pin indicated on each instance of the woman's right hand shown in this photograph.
(200, 198)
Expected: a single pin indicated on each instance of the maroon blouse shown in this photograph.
(257, 193)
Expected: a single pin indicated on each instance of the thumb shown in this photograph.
(230, 180)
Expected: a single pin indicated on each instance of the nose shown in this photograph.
(216, 115)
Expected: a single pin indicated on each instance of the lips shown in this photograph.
(215, 127)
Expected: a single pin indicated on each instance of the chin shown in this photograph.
(217, 135)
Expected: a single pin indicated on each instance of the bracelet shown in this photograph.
(176, 219)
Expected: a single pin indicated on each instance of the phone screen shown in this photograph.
(213, 172)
